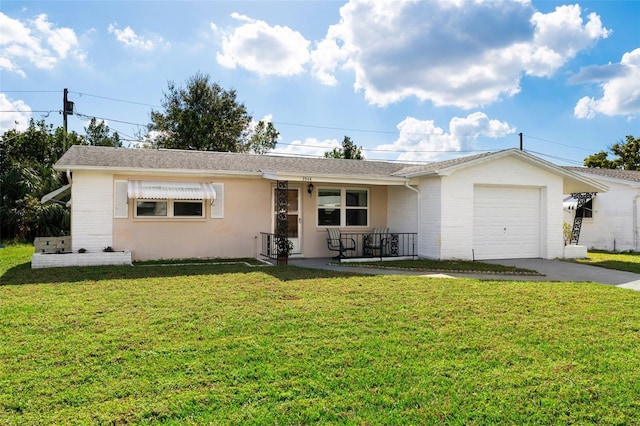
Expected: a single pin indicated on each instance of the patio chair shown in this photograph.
(377, 240)
(335, 242)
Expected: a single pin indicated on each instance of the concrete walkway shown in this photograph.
(551, 270)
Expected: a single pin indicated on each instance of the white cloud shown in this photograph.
(621, 91)
(17, 118)
(559, 36)
(129, 38)
(465, 53)
(308, 147)
(422, 140)
(263, 49)
(37, 42)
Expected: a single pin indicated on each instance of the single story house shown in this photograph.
(190, 204)
(609, 220)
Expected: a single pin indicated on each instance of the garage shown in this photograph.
(506, 222)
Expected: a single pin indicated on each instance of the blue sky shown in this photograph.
(406, 80)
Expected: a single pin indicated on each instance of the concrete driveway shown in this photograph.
(550, 270)
(558, 270)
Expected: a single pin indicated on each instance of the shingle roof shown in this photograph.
(630, 175)
(82, 156)
(79, 156)
(413, 170)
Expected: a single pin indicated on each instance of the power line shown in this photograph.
(390, 150)
(114, 99)
(558, 143)
(30, 91)
(336, 128)
(32, 110)
(555, 158)
(89, 117)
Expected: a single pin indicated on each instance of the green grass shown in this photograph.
(629, 262)
(13, 255)
(231, 344)
(443, 265)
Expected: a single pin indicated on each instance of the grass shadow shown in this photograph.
(23, 274)
(618, 265)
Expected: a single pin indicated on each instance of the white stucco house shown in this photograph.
(610, 219)
(182, 204)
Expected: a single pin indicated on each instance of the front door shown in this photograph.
(293, 217)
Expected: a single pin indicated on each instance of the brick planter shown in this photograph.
(52, 244)
(43, 260)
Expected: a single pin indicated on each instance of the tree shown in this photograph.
(627, 152)
(263, 138)
(349, 151)
(26, 174)
(99, 134)
(204, 116)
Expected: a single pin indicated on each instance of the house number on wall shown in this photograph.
(306, 178)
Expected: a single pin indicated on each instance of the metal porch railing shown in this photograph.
(392, 244)
(268, 247)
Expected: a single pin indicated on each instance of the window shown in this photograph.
(151, 208)
(586, 211)
(187, 208)
(329, 207)
(357, 207)
(169, 208)
(343, 207)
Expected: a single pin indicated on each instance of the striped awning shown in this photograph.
(155, 190)
(569, 203)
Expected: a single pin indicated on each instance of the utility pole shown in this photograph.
(64, 110)
(521, 141)
(67, 109)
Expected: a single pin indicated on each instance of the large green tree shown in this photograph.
(626, 156)
(204, 116)
(349, 151)
(26, 174)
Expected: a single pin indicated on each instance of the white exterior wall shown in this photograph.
(430, 226)
(402, 209)
(454, 222)
(91, 211)
(612, 226)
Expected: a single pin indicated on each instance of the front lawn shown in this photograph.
(231, 344)
(621, 261)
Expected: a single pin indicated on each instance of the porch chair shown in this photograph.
(335, 242)
(377, 240)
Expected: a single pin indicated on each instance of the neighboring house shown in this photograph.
(183, 204)
(610, 220)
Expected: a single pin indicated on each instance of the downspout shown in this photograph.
(419, 210)
(635, 222)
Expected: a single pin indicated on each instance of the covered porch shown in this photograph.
(364, 245)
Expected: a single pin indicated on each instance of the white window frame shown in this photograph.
(343, 207)
(170, 209)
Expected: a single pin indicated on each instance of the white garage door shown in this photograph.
(506, 222)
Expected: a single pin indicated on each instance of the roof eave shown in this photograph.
(585, 184)
(342, 179)
(155, 171)
(621, 181)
